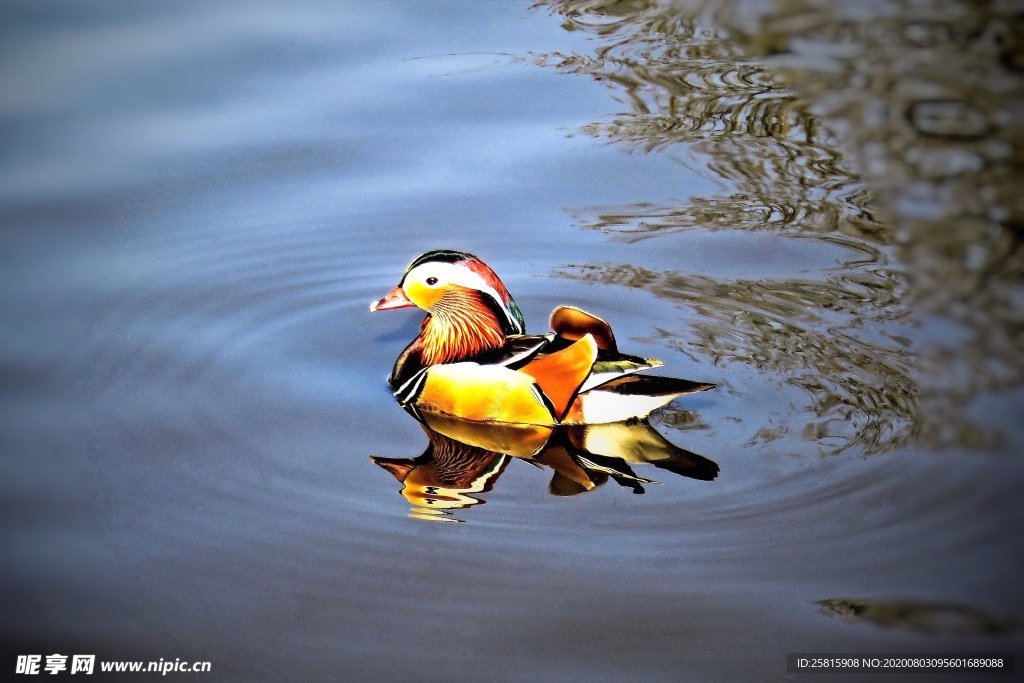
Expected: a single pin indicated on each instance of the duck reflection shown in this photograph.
(464, 459)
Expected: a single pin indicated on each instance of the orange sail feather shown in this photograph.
(561, 374)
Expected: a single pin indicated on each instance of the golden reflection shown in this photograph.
(464, 459)
(887, 134)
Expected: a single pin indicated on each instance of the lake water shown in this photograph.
(818, 210)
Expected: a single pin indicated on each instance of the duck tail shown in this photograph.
(634, 396)
(653, 385)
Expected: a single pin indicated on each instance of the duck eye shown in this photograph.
(431, 280)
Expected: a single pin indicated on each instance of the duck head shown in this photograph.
(469, 310)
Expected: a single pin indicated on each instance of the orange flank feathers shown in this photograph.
(561, 374)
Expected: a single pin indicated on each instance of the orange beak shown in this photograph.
(396, 298)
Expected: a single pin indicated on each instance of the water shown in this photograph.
(793, 203)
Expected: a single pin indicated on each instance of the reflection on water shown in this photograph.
(198, 200)
(860, 392)
(465, 458)
(836, 127)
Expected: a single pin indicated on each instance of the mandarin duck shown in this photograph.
(473, 359)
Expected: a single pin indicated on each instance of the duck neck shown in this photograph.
(458, 328)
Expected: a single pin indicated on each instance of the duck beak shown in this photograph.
(396, 298)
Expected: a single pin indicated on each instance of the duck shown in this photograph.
(473, 359)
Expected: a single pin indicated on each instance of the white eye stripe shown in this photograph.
(463, 276)
(447, 272)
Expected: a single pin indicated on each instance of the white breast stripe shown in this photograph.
(411, 387)
(528, 352)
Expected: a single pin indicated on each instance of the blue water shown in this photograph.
(199, 201)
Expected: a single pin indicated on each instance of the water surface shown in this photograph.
(793, 203)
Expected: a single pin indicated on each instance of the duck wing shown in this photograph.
(613, 365)
(632, 396)
(561, 374)
(518, 350)
(570, 324)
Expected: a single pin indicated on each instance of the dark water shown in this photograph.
(818, 210)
